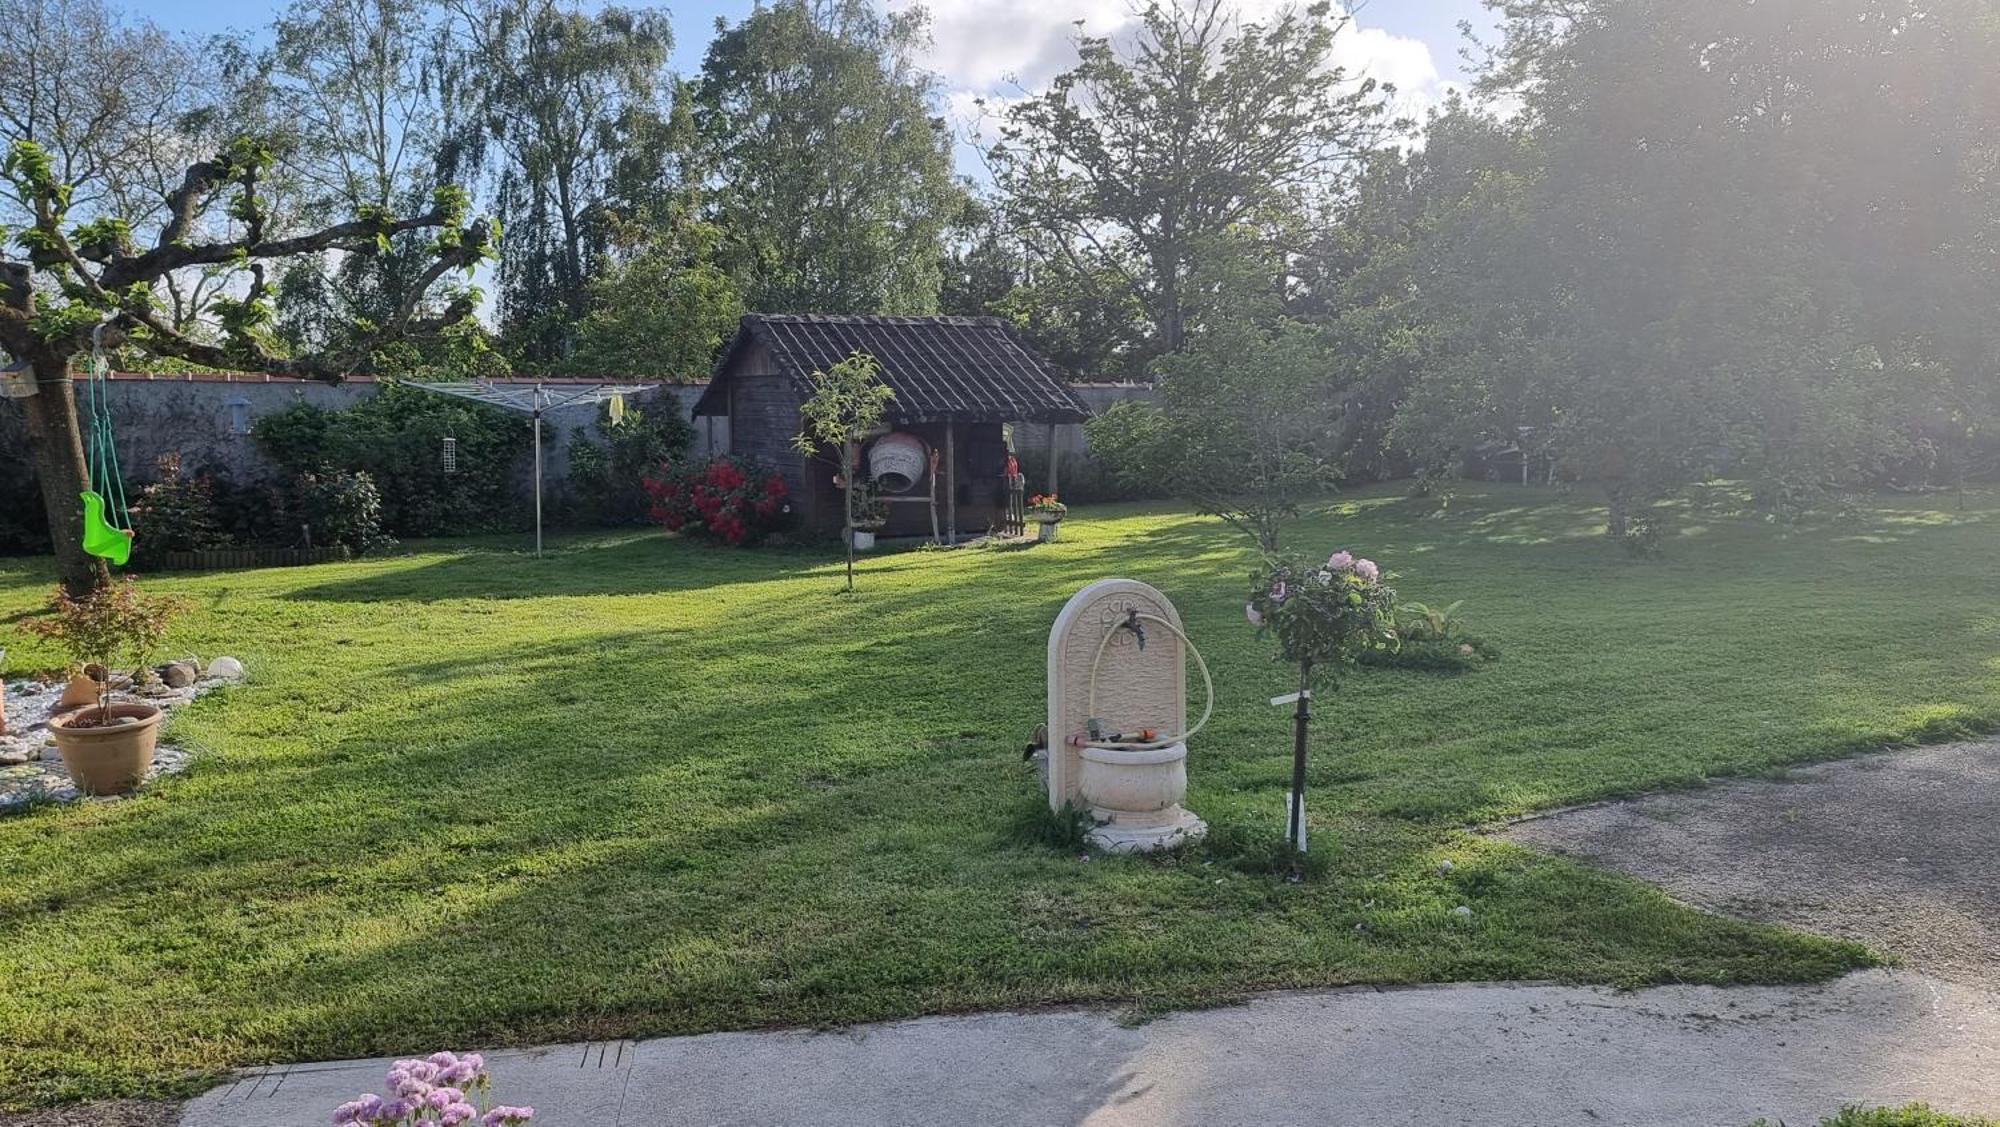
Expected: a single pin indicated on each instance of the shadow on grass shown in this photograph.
(651, 564)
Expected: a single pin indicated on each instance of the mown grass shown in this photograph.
(644, 787)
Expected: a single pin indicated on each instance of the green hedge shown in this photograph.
(397, 438)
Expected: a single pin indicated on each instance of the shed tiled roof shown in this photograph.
(966, 368)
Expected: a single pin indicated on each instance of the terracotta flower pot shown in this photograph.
(111, 758)
(82, 689)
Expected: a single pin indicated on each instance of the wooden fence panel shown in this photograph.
(226, 559)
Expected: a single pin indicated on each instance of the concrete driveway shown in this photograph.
(1495, 1056)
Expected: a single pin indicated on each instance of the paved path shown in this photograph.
(1900, 850)
(1487, 1055)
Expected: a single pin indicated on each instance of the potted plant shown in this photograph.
(107, 747)
(1045, 510)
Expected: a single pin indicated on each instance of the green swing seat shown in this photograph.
(101, 537)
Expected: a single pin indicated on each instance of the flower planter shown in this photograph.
(1048, 523)
(864, 536)
(111, 758)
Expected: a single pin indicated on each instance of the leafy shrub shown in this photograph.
(733, 500)
(1129, 442)
(256, 512)
(609, 478)
(342, 508)
(176, 513)
(1432, 638)
(397, 438)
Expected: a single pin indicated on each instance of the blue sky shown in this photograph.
(981, 43)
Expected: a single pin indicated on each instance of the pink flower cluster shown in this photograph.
(1345, 561)
(431, 1092)
(1340, 563)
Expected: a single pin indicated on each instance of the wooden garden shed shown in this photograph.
(959, 382)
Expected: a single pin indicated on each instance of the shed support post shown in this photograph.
(951, 483)
(1055, 461)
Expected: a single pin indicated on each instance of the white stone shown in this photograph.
(226, 669)
(1461, 910)
(1134, 795)
(1444, 866)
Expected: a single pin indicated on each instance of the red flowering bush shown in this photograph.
(729, 499)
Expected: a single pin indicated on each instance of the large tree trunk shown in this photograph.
(1619, 522)
(57, 443)
(53, 435)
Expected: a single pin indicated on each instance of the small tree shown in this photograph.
(1324, 614)
(1247, 422)
(848, 400)
(114, 624)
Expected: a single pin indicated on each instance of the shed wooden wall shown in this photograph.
(763, 413)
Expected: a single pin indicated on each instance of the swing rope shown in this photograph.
(107, 522)
(105, 479)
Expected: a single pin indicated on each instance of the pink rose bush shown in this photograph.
(1323, 613)
(436, 1091)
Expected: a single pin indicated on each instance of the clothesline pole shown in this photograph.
(537, 420)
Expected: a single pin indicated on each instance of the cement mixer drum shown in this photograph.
(897, 460)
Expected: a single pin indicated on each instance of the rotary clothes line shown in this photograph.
(534, 402)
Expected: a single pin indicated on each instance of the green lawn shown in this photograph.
(646, 787)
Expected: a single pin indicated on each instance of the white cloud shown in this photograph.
(981, 48)
(1394, 60)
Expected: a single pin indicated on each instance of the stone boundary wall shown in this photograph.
(206, 419)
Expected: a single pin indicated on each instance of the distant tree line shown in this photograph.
(1657, 243)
